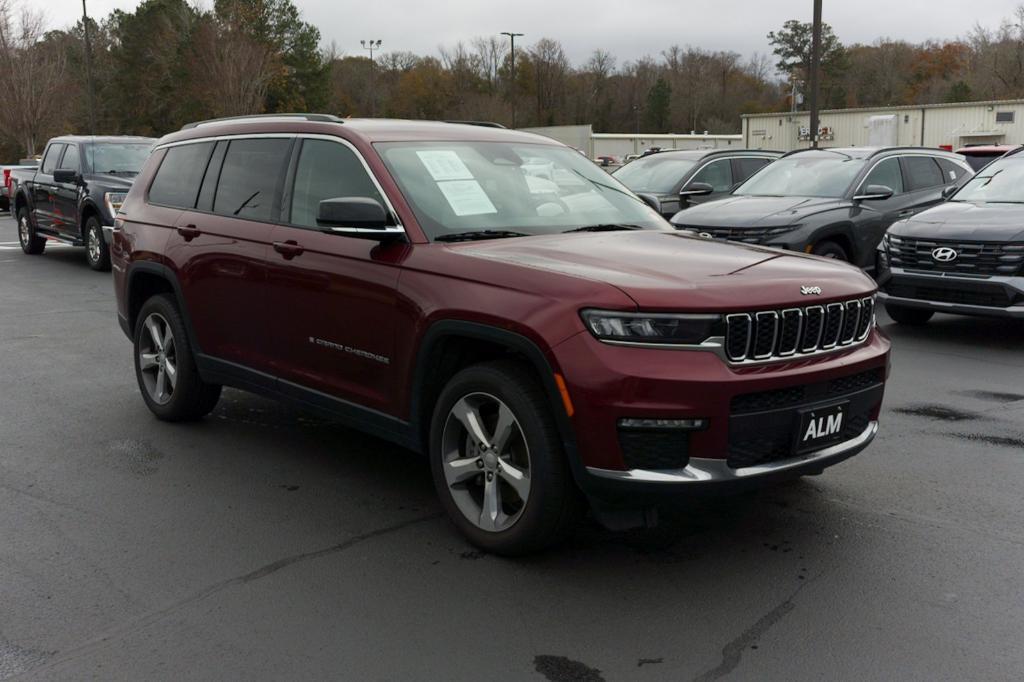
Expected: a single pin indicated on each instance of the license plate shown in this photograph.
(821, 426)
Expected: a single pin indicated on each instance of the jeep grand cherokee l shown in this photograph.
(496, 301)
(965, 256)
(835, 203)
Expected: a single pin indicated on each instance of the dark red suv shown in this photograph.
(496, 301)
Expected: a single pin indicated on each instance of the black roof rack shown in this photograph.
(482, 124)
(323, 118)
(1018, 150)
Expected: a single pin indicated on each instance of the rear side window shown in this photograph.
(177, 180)
(886, 173)
(718, 174)
(249, 178)
(951, 172)
(70, 160)
(922, 172)
(326, 170)
(50, 160)
(747, 167)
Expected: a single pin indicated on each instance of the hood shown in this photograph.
(111, 183)
(756, 211)
(960, 220)
(674, 271)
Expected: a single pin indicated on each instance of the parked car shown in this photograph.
(74, 193)
(835, 203)
(542, 343)
(965, 256)
(605, 161)
(676, 180)
(5, 189)
(980, 155)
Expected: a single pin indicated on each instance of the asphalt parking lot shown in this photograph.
(263, 543)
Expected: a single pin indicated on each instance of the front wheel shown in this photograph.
(30, 243)
(832, 250)
(498, 463)
(96, 251)
(911, 316)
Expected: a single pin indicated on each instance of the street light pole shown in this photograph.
(88, 71)
(512, 37)
(815, 72)
(370, 45)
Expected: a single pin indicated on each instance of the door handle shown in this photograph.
(189, 232)
(289, 249)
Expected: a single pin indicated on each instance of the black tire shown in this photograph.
(554, 504)
(190, 398)
(911, 316)
(30, 243)
(97, 254)
(828, 249)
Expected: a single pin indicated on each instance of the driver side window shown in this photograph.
(326, 170)
(718, 174)
(886, 173)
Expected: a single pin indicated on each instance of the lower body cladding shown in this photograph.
(947, 293)
(656, 425)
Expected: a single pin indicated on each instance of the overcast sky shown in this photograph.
(628, 30)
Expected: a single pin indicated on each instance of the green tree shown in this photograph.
(792, 45)
(659, 99)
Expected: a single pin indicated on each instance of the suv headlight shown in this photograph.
(114, 201)
(679, 329)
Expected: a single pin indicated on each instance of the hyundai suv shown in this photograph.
(965, 256)
(835, 203)
(496, 301)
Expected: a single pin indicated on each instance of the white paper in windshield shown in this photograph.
(466, 197)
(444, 165)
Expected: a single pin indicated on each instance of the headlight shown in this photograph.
(653, 327)
(114, 201)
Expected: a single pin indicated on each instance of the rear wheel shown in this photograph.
(905, 315)
(165, 366)
(96, 251)
(828, 249)
(498, 463)
(30, 243)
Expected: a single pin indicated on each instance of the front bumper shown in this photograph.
(947, 293)
(108, 234)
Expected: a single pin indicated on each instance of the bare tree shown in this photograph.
(238, 67)
(33, 76)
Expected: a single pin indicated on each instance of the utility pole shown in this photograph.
(815, 72)
(512, 37)
(370, 45)
(88, 71)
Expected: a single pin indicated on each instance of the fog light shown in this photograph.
(683, 424)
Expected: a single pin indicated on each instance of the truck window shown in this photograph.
(249, 178)
(50, 158)
(70, 160)
(326, 170)
(177, 180)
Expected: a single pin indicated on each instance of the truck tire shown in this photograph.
(498, 463)
(829, 249)
(97, 254)
(30, 243)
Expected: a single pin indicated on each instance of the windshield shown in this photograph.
(530, 189)
(811, 175)
(117, 157)
(1001, 182)
(658, 174)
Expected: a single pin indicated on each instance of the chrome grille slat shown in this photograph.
(766, 332)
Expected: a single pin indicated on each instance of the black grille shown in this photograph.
(990, 295)
(771, 334)
(746, 235)
(748, 403)
(654, 449)
(982, 259)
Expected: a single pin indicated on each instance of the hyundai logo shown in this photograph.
(810, 291)
(944, 254)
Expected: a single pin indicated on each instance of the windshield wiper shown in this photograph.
(606, 227)
(476, 235)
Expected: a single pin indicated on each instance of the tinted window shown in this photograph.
(50, 160)
(326, 170)
(177, 181)
(922, 172)
(808, 174)
(249, 178)
(886, 173)
(979, 161)
(658, 173)
(748, 167)
(951, 172)
(718, 174)
(70, 160)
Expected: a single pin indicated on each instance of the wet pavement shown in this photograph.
(265, 543)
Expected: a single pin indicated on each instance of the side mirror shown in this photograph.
(65, 175)
(696, 189)
(874, 193)
(949, 191)
(359, 217)
(650, 200)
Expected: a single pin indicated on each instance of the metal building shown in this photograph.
(583, 137)
(931, 125)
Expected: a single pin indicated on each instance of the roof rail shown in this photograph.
(323, 118)
(482, 124)
(1018, 150)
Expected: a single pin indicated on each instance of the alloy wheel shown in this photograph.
(158, 359)
(23, 232)
(486, 462)
(93, 244)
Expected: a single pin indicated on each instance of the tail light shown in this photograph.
(7, 178)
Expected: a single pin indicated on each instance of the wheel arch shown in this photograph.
(145, 279)
(841, 234)
(88, 210)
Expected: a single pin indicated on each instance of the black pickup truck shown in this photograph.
(74, 193)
